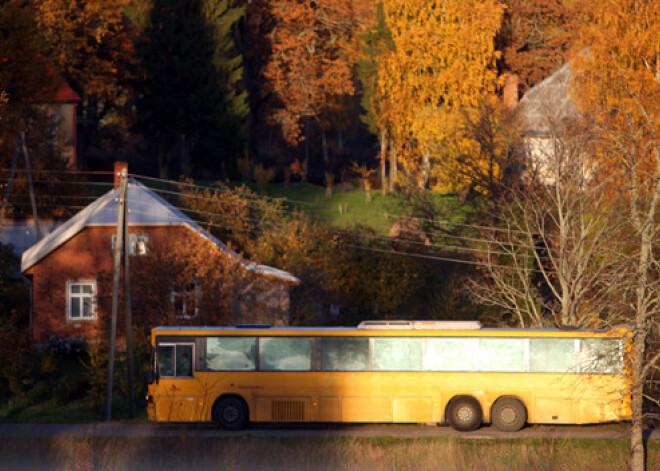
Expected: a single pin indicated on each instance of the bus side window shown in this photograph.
(165, 356)
(344, 354)
(184, 358)
(175, 360)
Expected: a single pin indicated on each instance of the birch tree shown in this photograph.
(442, 62)
(544, 262)
(618, 82)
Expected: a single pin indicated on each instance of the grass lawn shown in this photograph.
(189, 451)
(80, 410)
(379, 214)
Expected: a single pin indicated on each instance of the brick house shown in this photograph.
(71, 272)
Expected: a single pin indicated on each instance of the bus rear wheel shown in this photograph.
(231, 413)
(508, 414)
(464, 413)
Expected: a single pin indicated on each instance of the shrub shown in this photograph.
(67, 347)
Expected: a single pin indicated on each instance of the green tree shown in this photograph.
(189, 106)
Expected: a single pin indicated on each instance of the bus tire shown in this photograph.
(508, 414)
(231, 413)
(464, 413)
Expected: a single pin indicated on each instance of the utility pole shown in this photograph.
(128, 320)
(20, 146)
(119, 244)
(33, 200)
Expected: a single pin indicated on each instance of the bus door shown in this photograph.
(177, 389)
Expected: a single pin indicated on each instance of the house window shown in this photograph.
(185, 302)
(81, 300)
(138, 244)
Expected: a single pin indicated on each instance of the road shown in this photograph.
(620, 432)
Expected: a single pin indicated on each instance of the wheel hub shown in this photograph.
(464, 414)
(508, 415)
(230, 414)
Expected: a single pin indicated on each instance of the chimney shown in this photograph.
(510, 91)
(119, 167)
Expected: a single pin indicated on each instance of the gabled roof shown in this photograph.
(145, 208)
(548, 103)
(66, 94)
(58, 91)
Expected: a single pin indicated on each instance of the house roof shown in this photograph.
(65, 94)
(145, 208)
(58, 91)
(548, 103)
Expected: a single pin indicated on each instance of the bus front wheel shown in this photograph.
(508, 414)
(231, 413)
(464, 413)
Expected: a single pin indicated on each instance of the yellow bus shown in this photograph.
(389, 371)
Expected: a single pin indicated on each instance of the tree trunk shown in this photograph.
(185, 165)
(637, 451)
(408, 177)
(163, 164)
(426, 170)
(269, 142)
(324, 146)
(308, 125)
(340, 140)
(383, 163)
(393, 167)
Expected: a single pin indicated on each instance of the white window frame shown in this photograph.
(70, 295)
(138, 244)
(186, 296)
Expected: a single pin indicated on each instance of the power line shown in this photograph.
(68, 182)
(64, 172)
(289, 212)
(307, 203)
(357, 246)
(294, 202)
(313, 217)
(363, 235)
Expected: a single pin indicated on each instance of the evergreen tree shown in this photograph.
(188, 105)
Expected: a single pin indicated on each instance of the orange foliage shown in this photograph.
(202, 277)
(313, 52)
(534, 38)
(616, 65)
(424, 85)
(91, 42)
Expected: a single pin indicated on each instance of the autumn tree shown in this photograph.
(353, 270)
(90, 44)
(546, 256)
(23, 74)
(484, 154)
(27, 82)
(617, 81)
(189, 104)
(313, 54)
(237, 216)
(374, 42)
(424, 85)
(534, 38)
